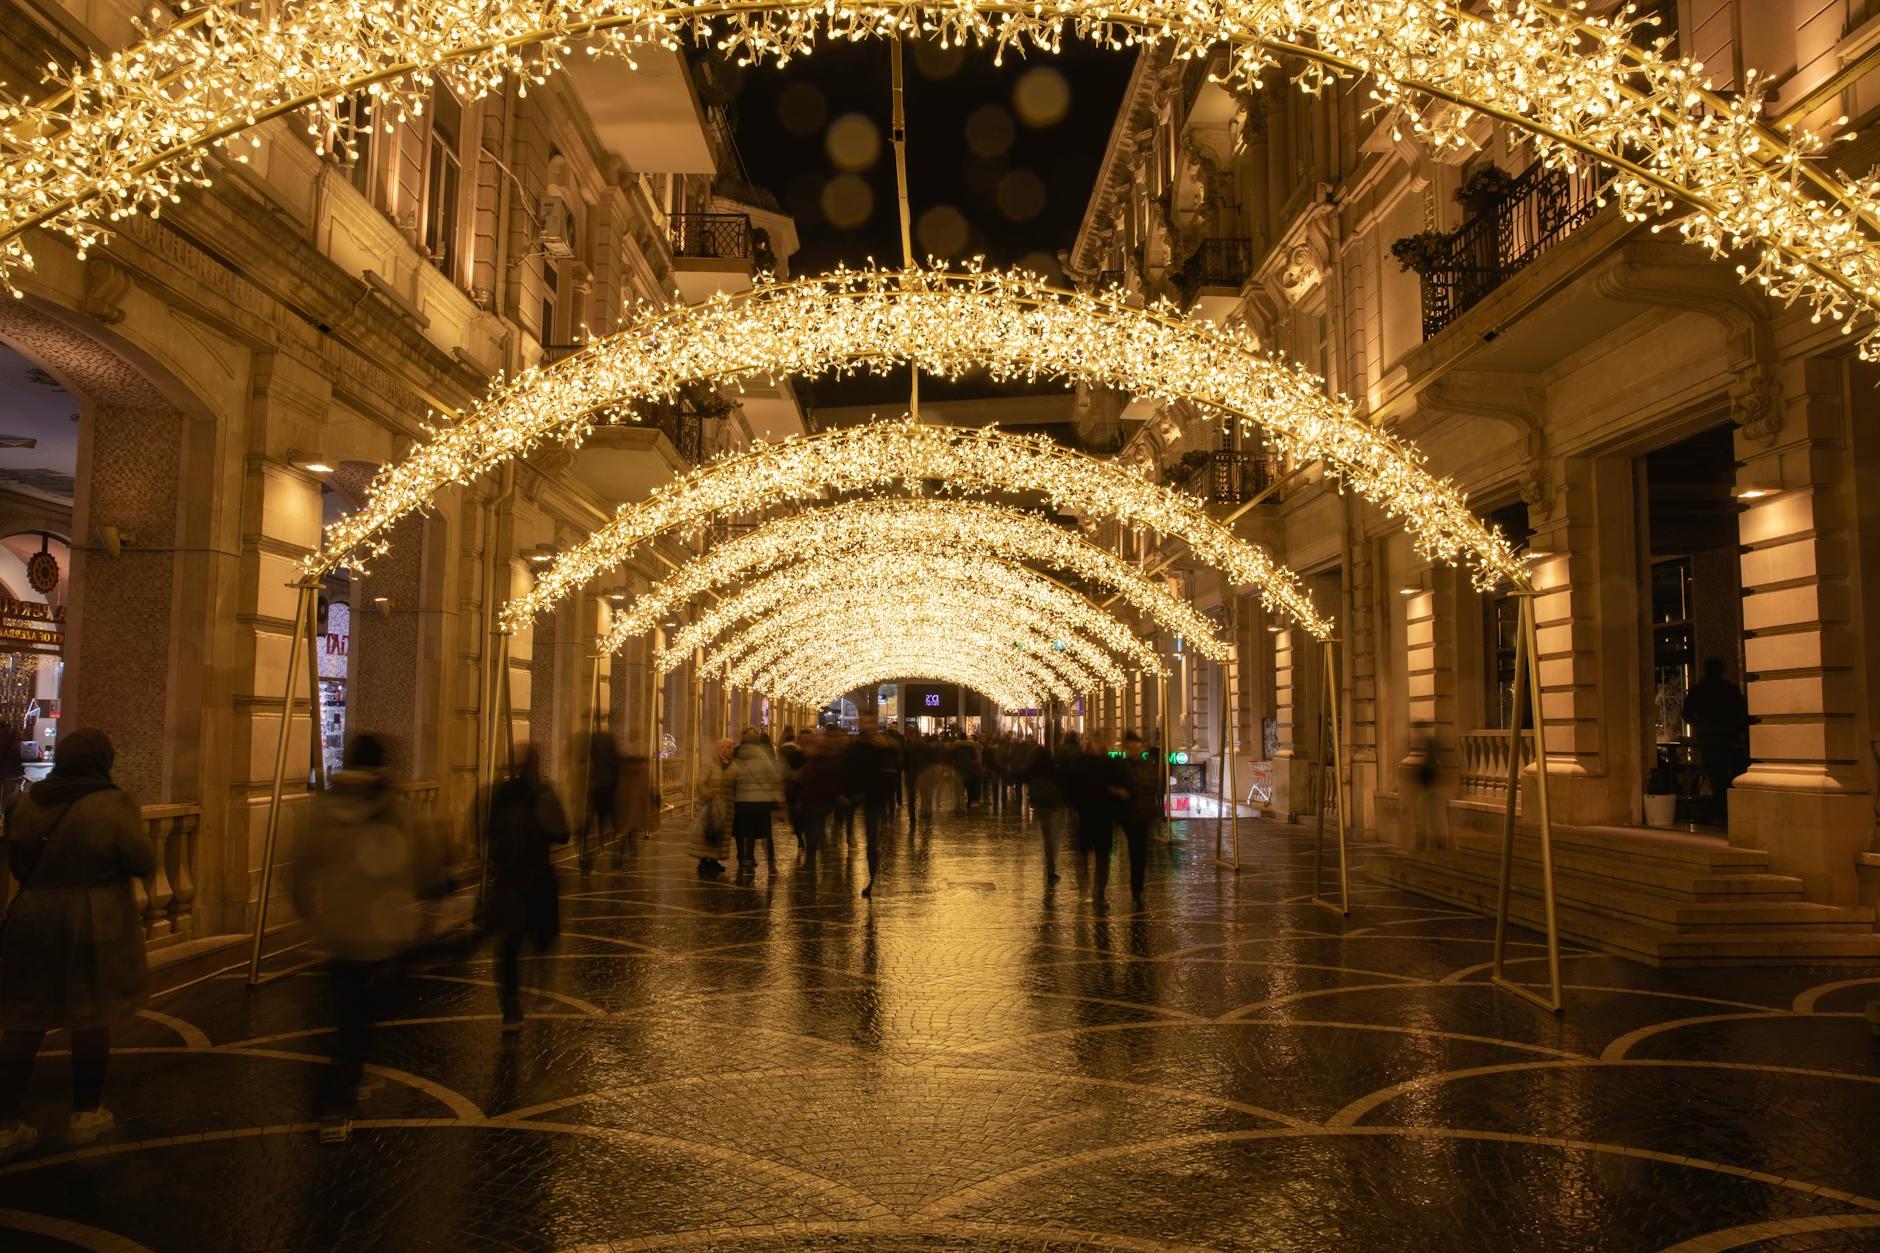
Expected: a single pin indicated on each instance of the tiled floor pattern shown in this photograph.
(972, 1060)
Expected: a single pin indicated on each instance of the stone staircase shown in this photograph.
(1660, 897)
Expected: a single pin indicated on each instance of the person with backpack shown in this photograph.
(357, 876)
(72, 951)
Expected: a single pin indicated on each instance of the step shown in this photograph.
(1674, 881)
(1606, 895)
(1646, 846)
(1837, 940)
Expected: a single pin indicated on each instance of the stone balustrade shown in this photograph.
(1484, 772)
(166, 902)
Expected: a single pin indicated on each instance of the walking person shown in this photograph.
(1096, 792)
(1141, 809)
(870, 772)
(756, 794)
(790, 758)
(712, 809)
(357, 876)
(1046, 792)
(603, 798)
(1719, 718)
(72, 952)
(523, 905)
(12, 764)
(818, 785)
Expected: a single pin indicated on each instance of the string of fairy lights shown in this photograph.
(822, 681)
(896, 577)
(125, 134)
(1012, 325)
(752, 659)
(940, 528)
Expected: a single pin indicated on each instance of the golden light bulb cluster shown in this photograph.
(1009, 323)
(927, 526)
(820, 681)
(987, 586)
(127, 133)
(947, 622)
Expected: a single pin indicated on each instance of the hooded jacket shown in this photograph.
(360, 870)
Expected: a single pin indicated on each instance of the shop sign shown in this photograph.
(27, 626)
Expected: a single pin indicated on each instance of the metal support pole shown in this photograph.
(1527, 686)
(496, 696)
(1333, 761)
(304, 602)
(1230, 679)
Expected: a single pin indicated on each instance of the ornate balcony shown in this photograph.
(1505, 232)
(1227, 477)
(1217, 263)
(719, 236)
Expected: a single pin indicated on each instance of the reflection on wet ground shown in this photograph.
(973, 1060)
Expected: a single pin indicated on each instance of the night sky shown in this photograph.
(1001, 159)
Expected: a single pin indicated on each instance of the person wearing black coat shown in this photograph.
(871, 770)
(1141, 809)
(1096, 788)
(1046, 791)
(526, 820)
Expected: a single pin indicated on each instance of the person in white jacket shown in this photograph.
(757, 794)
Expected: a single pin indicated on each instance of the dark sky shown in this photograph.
(1001, 159)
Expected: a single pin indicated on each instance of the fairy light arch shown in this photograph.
(821, 683)
(946, 625)
(939, 528)
(125, 134)
(1009, 323)
(884, 453)
(890, 576)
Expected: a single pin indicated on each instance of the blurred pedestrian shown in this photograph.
(359, 875)
(790, 758)
(818, 784)
(1140, 811)
(603, 798)
(712, 809)
(12, 764)
(72, 952)
(1719, 718)
(870, 773)
(523, 904)
(1046, 792)
(1096, 789)
(757, 795)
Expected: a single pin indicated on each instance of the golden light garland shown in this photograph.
(937, 527)
(818, 682)
(126, 134)
(945, 643)
(896, 576)
(946, 625)
(1011, 324)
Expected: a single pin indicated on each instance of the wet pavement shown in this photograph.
(973, 1061)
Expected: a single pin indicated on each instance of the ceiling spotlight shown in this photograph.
(541, 554)
(1409, 589)
(1754, 491)
(311, 463)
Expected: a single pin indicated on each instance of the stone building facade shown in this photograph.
(1685, 462)
(239, 370)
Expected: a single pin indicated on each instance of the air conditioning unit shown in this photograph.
(557, 236)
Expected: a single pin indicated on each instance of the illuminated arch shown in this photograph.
(124, 135)
(927, 526)
(949, 627)
(930, 639)
(819, 684)
(1013, 325)
(888, 575)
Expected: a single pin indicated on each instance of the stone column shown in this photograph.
(1804, 797)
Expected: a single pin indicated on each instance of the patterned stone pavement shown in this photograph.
(973, 1061)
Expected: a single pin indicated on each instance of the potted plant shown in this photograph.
(1423, 253)
(1661, 797)
(1485, 186)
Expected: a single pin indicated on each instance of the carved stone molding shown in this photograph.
(1756, 407)
(106, 285)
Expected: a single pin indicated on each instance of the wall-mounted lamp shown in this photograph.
(384, 605)
(1409, 589)
(311, 463)
(541, 554)
(1754, 491)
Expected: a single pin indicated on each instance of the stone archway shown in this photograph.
(137, 629)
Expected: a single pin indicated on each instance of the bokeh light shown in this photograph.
(1041, 97)
(1021, 195)
(848, 201)
(937, 63)
(989, 131)
(853, 142)
(802, 109)
(941, 231)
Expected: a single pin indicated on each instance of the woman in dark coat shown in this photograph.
(72, 953)
(526, 818)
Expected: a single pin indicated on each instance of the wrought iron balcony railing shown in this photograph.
(1216, 263)
(726, 235)
(1228, 477)
(1542, 207)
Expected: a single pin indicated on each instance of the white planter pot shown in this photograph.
(1661, 811)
